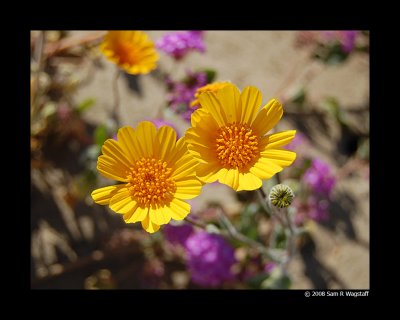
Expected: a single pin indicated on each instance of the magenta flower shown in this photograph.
(315, 208)
(178, 44)
(270, 266)
(347, 39)
(177, 234)
(209, 259)
(319, 178)
(181, 93)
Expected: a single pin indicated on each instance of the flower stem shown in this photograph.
(115, 112)
(290, 241)
(232, 233)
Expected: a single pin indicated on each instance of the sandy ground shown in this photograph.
(269, 61)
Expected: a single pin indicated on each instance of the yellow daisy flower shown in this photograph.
(212, 87)
(132, 51)
(229, 138)
(157, 175)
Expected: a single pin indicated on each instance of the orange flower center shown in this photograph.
(150, 182)
(236, 146)
(126, 52)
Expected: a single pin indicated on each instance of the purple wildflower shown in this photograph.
(209, 259)
(320, 178)
(178, 44)
(315, 208)
(347, 39)
(318, 209)
(181, 93)
(269, 267)
(177, 234)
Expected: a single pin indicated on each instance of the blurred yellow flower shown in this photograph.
(132, 51)
(157, 175)
(229, 138)
(212, 87)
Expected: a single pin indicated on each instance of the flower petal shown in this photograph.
(103, 195)
(276, 140)
(230, 178)
(159, 216)
(122, 202)
(268, 117)
(166, 138)
(149, 226)
(248, 181)
(198, 115)
(250, 102)
(265, 168)
(208, 172)
(188, 188)
(146, 133)
(177, 152)
(112, 168)
(281, 157)
(211, 103)
(127, 141)
(138, 214)
(229, 97)
(112, 149)
(184, 167)
(178, 209)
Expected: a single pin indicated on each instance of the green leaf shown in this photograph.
(85, 105)
(210, 73)
(211, 228)
(256, 281)
(300, 96)
(277, 280)
(100, 135)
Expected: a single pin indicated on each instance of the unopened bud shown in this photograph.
(281, 196)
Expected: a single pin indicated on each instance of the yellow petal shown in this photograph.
(276, 140)
(188, 188)
(139, 214)
(166, 138)
(103, 195)
(201, 153)
(250, 102)
(176, 153)
(122, 202)
(210, 102)
(127, 141)
(265, 168)
(268, 117)
(159, 216)
(149, 226)
(111, 149)
(185, 167)
(229, 100)
(230, 178)
(146, 133)
(281, 157)
(248, 181)
(178, 209)
(198, 115)
(208, 172)
(111, 168)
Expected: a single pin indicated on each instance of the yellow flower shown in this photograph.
(157, 174)
(229, 138)
(212, 87)
(132, 51)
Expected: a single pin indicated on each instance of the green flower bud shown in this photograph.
(281, 196)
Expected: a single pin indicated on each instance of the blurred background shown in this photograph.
(322, 79)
